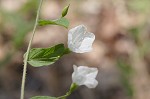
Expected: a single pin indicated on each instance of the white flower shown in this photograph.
(85, 76)
(79, 40)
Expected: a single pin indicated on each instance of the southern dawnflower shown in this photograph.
(79, 40)
(84, 75)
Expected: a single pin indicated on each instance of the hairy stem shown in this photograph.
(27, 53)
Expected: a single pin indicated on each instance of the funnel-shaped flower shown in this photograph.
(83, 75)
(79, 40)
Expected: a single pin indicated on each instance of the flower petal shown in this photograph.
(83, 70)
(91, 83)
(79, 40)
(75, 68)
(77, 32)
(75, 37)
(83, 75)
(86, 45)
(78, 77)
(93, 73)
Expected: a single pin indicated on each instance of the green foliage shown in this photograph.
(135, 32)
(144, 48)
(65, 11)
(43, 97)
(61, 22)
(22, 26)
(128, 87)
(124, 67)
(143, 44)
(46, 56)
(139, 5)
(28, 8)
(21, 32)
(126, 72)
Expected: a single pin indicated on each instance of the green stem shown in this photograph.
(73, 87)
(64, 96)
(27, 53)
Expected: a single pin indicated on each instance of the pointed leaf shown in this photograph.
(65, 11)
(43, 97)
(46, 56)
(61, 22)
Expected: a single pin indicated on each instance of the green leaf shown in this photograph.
(65, 11)
(61, 22)
(43, 97)
(46, 56)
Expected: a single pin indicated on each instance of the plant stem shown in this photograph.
(73, 87)
(64, 96)
(28, 50)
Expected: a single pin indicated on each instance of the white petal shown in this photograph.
(84, 75)
(77, 77)
(83, 70)
(77, 31)
(79, 40)
(91, 83)
(93, 73)
(86, 45)
(75, 37)
(75, 68)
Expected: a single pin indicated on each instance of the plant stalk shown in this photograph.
(73, 87)
(28, 50)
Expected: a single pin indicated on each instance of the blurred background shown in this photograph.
(121, 50)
